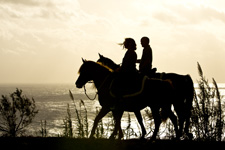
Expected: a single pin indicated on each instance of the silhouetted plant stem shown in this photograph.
(43, 130)
(68, 127)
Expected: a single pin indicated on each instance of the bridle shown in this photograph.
(85, 91)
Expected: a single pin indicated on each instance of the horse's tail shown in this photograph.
(189, 99)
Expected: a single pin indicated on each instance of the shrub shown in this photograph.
(16, 113)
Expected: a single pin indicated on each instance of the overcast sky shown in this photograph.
(42, 41)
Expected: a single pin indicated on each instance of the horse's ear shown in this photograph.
(100, 55)
(83, 60)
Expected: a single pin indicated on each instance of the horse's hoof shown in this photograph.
(121, 137)
(91, 137)
(152, 139)
(142, 138)
(190, 136)
(112, 138)
(176, 139)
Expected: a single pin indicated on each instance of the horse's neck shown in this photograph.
(100, 78)
(116, 66)
(113, 65)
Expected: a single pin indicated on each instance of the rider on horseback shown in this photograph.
(130, 58)
(127, 71)
(145, 66)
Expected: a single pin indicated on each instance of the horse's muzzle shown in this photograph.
(78, 85)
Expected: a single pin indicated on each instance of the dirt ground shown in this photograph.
(31, 143)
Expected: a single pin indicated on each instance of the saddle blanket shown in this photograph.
(125, 87)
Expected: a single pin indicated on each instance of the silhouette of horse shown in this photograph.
(184, 93)
(156, 94)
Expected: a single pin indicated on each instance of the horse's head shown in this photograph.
(84, 76)
(90, 70)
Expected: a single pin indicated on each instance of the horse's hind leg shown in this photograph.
(186, 129)
(184, 116)
(117, 117)
(173, 118)
(140, 121)
(157, 121)
(100, 115)
(180, 113)
(120, 132)
(181, 124)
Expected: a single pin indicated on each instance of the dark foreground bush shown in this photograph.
(16, 113)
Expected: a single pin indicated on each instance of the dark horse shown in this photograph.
(156, 94)
(184, 93)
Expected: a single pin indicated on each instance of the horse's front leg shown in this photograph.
(140, 121)
(117, 115)
(100, 115)
(120, 132)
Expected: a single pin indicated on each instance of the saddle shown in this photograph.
(123, 86)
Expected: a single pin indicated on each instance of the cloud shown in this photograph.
(21, 2)
(54, 9)
(191, 14)
(55, 33)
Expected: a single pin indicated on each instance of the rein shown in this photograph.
(85, 91)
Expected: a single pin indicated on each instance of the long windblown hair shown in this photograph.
(128, 42)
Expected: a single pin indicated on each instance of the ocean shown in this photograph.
(52, 100)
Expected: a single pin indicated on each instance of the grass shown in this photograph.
(207, 118)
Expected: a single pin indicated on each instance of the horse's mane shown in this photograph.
(101, 64)
(95, 63)
(108, 62)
